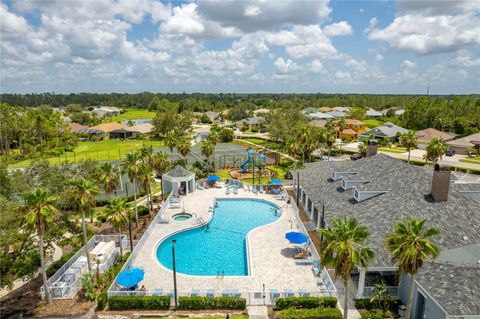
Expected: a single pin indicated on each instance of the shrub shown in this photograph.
(138, 302)
(102, 300)
(366, 303)
(306, 302)
(254, 130)
(202, 303)
(142, 210)
(314, 313)
(102, 218)
(376, 314)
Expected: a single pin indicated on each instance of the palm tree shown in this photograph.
(362, 149)
(146, 181)
(41, 213)
(171, 140)
(293, 147)
(207, 149)
(436, 148)
(343, 247)
(119, 216)
(131, 166)
(214, 137)
(184, 147)
(109, 178)
(84, 192)
(146, 155)
(409, 141)
(161, 164)
(410, 246)
(330, 137)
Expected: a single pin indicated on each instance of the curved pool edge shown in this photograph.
(211, 215)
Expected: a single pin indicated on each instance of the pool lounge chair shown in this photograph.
(260, 189)
(235, 190)
(226, 293)
(235, 293)
(199, 186)
(157, 292)
(316, 267)
(195, 293)
(274, 294)
(304, 293)
(254, 189)
(211, 293)
(305, 261)
(227, 191)
(171, 293)
(288, 293)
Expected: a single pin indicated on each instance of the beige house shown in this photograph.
(425, 136)
(463, 144)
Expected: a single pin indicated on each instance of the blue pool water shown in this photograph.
(221, 247)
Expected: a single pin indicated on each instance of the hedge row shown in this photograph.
(202, 303)
(306, 302)
(314, 313)
(138, 302)
(376, 314)
(365, 303)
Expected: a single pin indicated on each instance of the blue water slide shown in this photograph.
(243, 166)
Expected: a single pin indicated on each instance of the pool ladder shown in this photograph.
(201, 221)
(220, 274)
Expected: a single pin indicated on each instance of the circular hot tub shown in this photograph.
(182, 216)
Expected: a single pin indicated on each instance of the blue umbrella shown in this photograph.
(250, 152)
(296, 238)
(213, 178)
(276, 182)
(130, 277)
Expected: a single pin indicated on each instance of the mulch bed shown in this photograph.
(23, 300)
(63, 308)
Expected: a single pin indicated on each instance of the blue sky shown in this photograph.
(326, 46)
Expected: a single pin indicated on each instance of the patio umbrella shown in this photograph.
(213, 178)
(276, 182)
(296, 238)
(130, 277)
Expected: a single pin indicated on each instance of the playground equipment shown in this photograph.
(253, 159)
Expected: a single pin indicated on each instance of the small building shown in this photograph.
(462, 145)
(425, 136)
(309, 110)
(318, 123)
(347, 134)
(344, 109)
(212, 115)
(319, 116)
(373, 114)
(144, 128)
(103, 111)
(113, 130)
(353, 129)
(178, 180)
(325, 109)
(201, 133)
(251, 122)
(336, 114)
(387, 130)
(77, 128)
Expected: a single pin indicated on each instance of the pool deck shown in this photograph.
(271, 259)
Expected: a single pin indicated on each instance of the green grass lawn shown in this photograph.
(262, 181)
(370, 123)
(397, 150)
(101, 150)
(223, 174)
(265, 143)
(132, 114)
(470, 161)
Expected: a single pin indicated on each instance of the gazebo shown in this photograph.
(178, 178)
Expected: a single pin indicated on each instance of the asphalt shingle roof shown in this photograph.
(408, 189)
(179, 171)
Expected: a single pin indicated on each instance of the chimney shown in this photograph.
(440, 183)
(371, 148)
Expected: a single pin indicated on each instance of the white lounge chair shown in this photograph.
(274, 294)
(288, 293)
(211, 293)
(260, 189)
(235, 190)
(316, 267)
(227, 191)
(195, 293)
(306, 261)
(304, 293)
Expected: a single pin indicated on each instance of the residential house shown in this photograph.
(201, 133)
(336, 114)
(380, 191)
(318, 123)
(318, 116)
(373, 114)
(397, 112)
(425, 136)
(344, 109)
(261, 111)
(309, 110)
(352, 130)
(103, 111)
(212, 115)
(143, 129)
(251, 122)
(462, 145)
(387, 130)
(113, 130)
(77, 128)
(325, 109)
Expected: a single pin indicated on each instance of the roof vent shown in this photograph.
(337, 175)
(360, 195)
(440, 183)
(349, 183)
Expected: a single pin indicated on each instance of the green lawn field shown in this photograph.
(370, 123)
(397, 150)
(470, 161)
(101, 151)
(132, 114)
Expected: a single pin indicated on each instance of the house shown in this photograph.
(309, 110)
(387, 130)
(256, 121)
(373, 114)
(113, 130)
(462, 145)
(344, 109)
(261, 111)
(318, 123)
(356, 125)
(425, 136)
(380, 191)
(397, 112)
(336, 114)
(144, 128)
(352, 130)
(77, 128)
(325, 109)
(103, 111)
(318, 116)
(212, 115)
(201, 133)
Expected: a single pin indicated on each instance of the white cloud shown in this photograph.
(407, 64)
(252, 11)
(358, 66)
(378, 57)
(184, 20)
(371, 25)
(285, 66)
(316, 66)
(463, 59)
(11, 25)
(430, 34)
(343, 76)
(339, 28)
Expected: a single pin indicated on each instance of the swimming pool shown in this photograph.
(220, 248)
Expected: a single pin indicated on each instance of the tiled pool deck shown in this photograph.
(271, 260)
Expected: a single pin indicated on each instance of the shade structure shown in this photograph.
(213, 178)
(296, 238)
(276, 182)
(130, 277)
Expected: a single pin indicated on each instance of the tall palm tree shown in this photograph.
(184, 147)
(410, 246)
(41, 213)
(161, 164)
(171, 140)
(293, 147)
(344, 248)
(131, 166)
(146, 155)
(214, 137)
(119, 216)
(207, 149)
(109, 178)
(84, 192)
(362, 149)
(436, 148)
(330, 137)
(409, 141)
(146, 181)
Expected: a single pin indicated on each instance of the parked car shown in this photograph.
(450, 152)
(355, 157)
